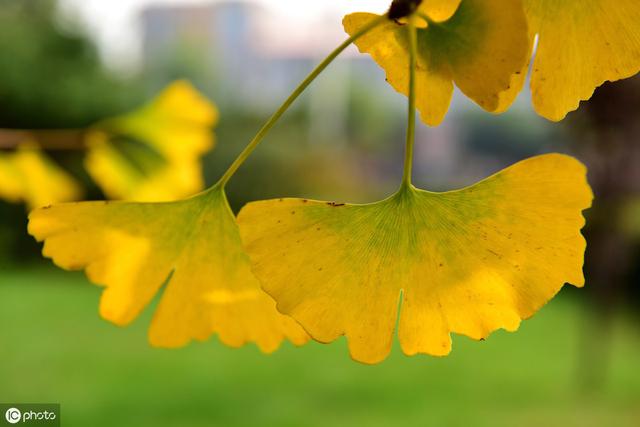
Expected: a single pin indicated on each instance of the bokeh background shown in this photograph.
(68, 64)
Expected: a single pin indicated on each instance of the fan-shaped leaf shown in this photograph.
(468, 261)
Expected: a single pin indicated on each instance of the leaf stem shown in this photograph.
(411, 122)
(296, 93)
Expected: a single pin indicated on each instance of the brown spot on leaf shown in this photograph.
(494, 253)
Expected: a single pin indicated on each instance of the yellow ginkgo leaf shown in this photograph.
(11, 185)
(127, 169)
(153, 153)
(506, 98)
(468, 261)
(439, 10)
(193, 245)
(177, 122)
(28, 175)
(470, 49)
(581, 45)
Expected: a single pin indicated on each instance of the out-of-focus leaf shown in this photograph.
(11, 186)
(153, 153)
(630, 217)
(28, 175)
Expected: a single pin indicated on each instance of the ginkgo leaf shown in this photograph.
(143, 174)
(11, 186)
(581, 45)
(153, 153)
(439, 10)
(469, 49)
(507, 97)
(468, 261)
(177, 122)
(28, 175)
(193, 245)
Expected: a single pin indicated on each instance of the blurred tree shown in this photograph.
(50, 72)
(606, 134)
(51, 76)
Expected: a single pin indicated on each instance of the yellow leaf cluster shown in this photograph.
(421, 264)
(485, 47)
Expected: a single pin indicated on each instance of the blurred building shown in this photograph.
(249, 62)
(253, 64)
(220, 35)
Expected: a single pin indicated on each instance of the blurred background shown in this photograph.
(67, 65)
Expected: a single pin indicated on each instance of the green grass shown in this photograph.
(54, 348)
